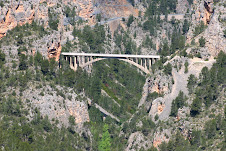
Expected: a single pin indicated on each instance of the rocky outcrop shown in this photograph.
(160, 137)
(116, 8)
(57, 107)
(7, 23)
(137, 141)
(54, 51)
(78, 110)
(157, 107)
(14, 15)
(204, 10)
(182, 6)
(160, 83)
(213, 34)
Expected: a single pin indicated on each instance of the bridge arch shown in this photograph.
(125, 60)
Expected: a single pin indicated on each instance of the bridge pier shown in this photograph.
(75, 64)
(79, 61)
(150, 64)
(145, 63)
(153, 61)
(90, 65)
(83, 60)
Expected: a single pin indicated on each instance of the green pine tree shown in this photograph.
(105, 143)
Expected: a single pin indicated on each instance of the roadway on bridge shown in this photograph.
(109, 55)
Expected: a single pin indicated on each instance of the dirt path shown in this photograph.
(180, 83)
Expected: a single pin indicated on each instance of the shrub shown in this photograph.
(202, 42)
(191, 83)
(53, 21)
(198, 55)
(199, 29)
(177, 103)
(1, 4)
(168, 69)
(23, 62)
(98, 17)
(45, 67)
(130, 20)
(2, 58)
(196, 107)
(156, 117)
(210, 128)
(186, 67)
(71, 120)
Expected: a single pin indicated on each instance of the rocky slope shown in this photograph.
(210, 14)
(52, 26)
(16, 13)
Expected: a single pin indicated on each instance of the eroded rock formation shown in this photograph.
(204, 11)
(14, 15)
(54, 51)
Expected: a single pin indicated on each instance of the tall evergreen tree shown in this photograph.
(105, 143)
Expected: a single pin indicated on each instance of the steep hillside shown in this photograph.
(112, 105)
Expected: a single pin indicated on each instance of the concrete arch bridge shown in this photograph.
(143, 62)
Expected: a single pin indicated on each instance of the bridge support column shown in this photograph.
(153, 61)
(145, 63)
(89, 66)
(75, 63)
(149, 64)
(141, 62)
(70, 62)
(79, 61)
(83, 60)
(136, 60)
(91, 59)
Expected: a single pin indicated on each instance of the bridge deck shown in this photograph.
(109, 55)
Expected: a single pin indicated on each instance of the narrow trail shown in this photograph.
(106, 112)
(180, 84)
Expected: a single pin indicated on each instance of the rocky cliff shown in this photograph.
(18, 13)
(208, 13)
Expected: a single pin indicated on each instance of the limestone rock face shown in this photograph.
(18, 13)
(137, 140)
(182, 6)
(160, 137)
(157, 107)
(57, 107)
(161, 84)
(116, 8)
(213, 34)
(204, 11)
